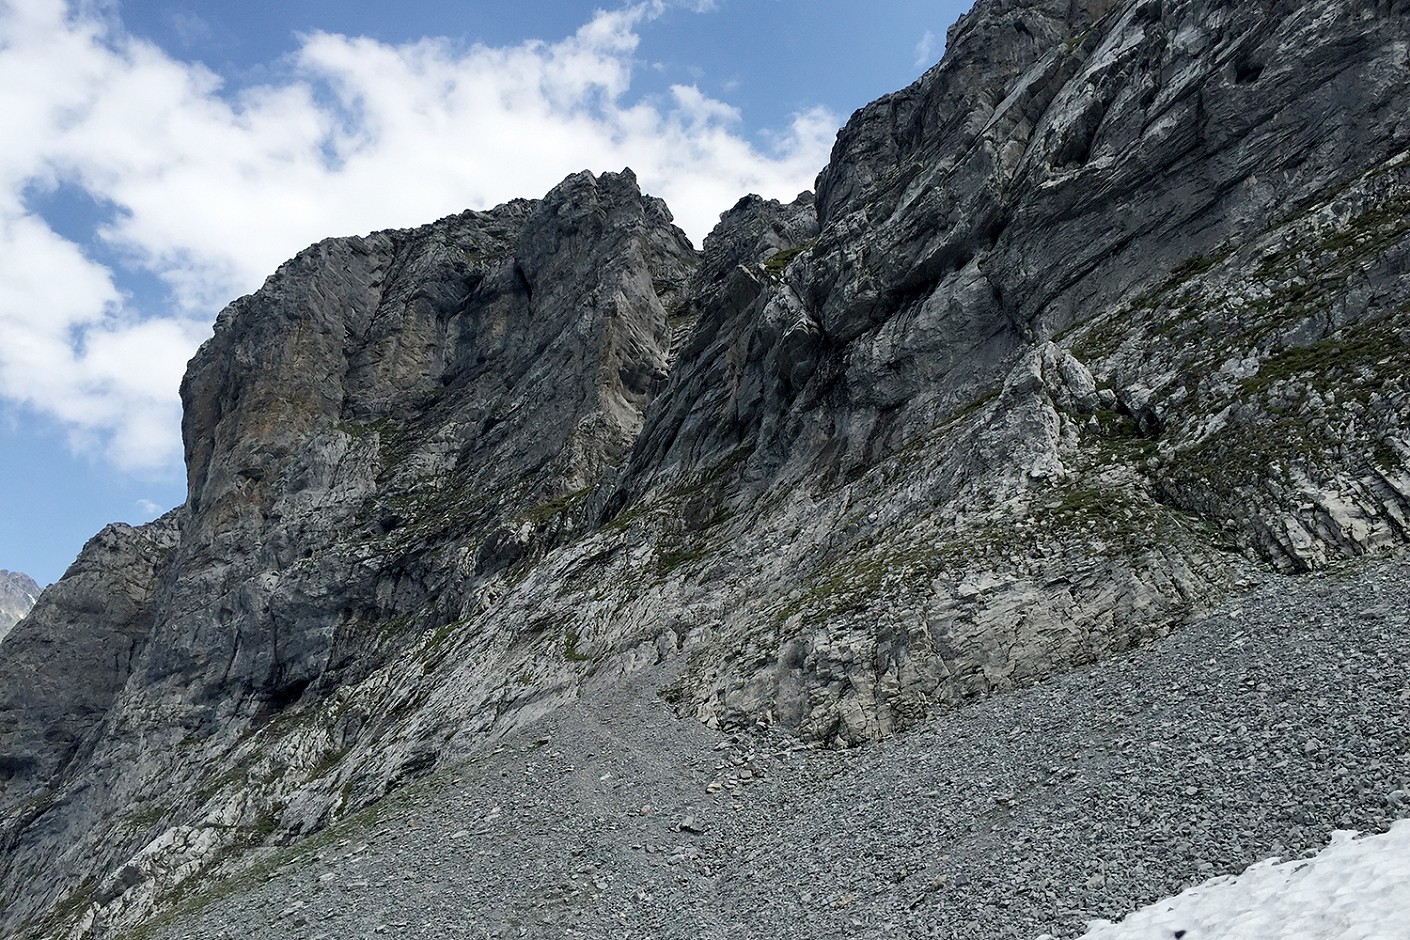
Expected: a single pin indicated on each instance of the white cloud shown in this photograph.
(189, 27)
(925, 50)
(212, 190)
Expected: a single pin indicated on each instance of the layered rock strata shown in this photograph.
(1108, 307)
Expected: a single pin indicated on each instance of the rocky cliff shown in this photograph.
(17, 594)
(1104, 312)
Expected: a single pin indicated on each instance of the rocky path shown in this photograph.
(1253, 733)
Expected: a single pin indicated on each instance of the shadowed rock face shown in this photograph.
(1108, 306)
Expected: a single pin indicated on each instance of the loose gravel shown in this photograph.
(1253, 733)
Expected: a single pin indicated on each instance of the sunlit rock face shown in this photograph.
(17, 595)
(1106, 309)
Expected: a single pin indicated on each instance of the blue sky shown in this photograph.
(163, 158)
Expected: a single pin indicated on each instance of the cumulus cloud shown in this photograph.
(209, 190)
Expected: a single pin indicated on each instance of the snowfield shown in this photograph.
(1355, 889)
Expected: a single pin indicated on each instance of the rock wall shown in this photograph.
(1106, 309)
(369, 438)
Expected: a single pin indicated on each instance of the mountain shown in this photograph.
(1100, 320)
(17, 595)
(1256, 732)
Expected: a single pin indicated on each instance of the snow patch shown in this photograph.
(1355, 889)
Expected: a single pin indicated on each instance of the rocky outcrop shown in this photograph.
(65, 664)
(377, 441)
(1106, 309)
(18, 593)
(1079, 314)
(381, 423)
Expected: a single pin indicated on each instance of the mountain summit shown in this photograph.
(17, 595)
(1105, 315)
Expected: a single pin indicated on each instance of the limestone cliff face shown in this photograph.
(364, 434)
(17, 595)
(1101, 295)
(1108, 306)
(370, 438)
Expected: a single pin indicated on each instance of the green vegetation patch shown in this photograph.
(265, 825)
(1103, 335)
(440, 642)
(1245, 453)
(327, 763)
(545, 512)
(1387, 458)
(668, 560)
(66, 911)
(1108, 520)
(1119, 438)
(571, 639)
(776, 263)
(1331, 358)
(981, 401)
(695, 504)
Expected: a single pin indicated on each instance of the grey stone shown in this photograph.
(1092, 322)
(18, 592)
